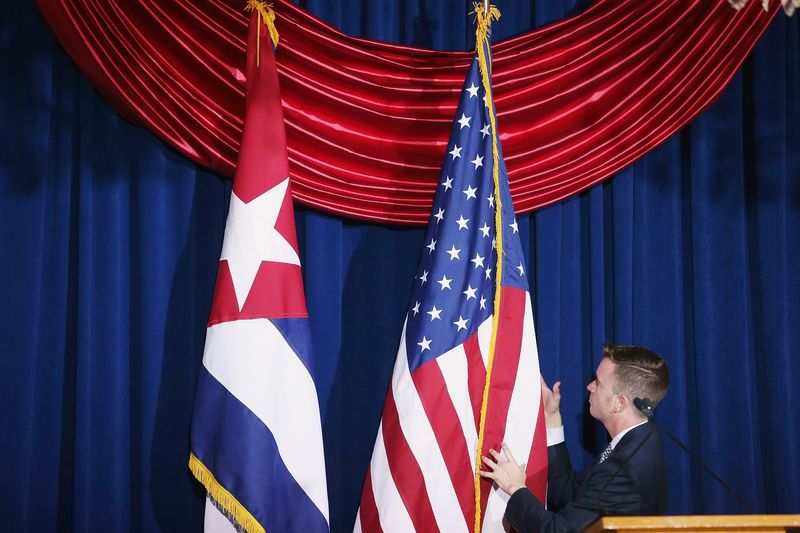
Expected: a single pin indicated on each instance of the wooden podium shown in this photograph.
(705, 524)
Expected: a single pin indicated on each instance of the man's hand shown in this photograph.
(508, 475)
(551, 401)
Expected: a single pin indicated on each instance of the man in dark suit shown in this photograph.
(628, 478)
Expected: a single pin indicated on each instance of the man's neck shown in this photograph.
(618, 426)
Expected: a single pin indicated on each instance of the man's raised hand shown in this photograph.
(551, 402)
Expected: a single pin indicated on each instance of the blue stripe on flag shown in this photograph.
(240, 451)
(297, 333)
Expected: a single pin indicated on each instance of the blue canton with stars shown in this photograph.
(454, 287)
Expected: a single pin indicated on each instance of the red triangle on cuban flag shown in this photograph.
(259, 274)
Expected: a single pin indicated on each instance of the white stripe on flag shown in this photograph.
(391, 510)
(495, 509)
(485, 338)
(422, 441)
(527, 395)
(523, 412)
(215, 521)
(253, 361)
(455, 372)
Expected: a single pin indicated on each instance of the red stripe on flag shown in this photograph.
(536, 468)
(368, 510)
(405, 470)
(449, 434)
(504, 374)
(277, 292)
(476, 375)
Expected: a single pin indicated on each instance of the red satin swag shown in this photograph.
(367, 122)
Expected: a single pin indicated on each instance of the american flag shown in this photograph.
(256, 440)
(422, 473)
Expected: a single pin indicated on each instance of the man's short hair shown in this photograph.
(638, 372)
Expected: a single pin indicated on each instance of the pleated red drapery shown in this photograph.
(367, 121)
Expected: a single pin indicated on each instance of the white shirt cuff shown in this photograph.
(555, 435)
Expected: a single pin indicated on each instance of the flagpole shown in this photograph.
(484, 21)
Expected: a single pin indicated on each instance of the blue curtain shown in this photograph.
(110, 243)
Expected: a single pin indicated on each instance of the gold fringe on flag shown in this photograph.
(223, 498)
(266, 14)
(484, 16)
(484, 22)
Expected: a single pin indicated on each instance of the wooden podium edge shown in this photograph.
(699, 523)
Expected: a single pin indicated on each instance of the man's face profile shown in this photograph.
(601, 391)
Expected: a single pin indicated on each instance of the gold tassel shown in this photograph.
(223, 498)
(484, 21)
(266, 14)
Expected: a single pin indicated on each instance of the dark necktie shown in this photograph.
(605, 454)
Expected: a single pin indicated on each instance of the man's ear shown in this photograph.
(620, 403)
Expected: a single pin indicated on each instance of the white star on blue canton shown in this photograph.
(425, 344)
(436, 335)
(521, 270)
(424, 277)
(514, 226)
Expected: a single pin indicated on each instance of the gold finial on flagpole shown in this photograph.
(485, 13)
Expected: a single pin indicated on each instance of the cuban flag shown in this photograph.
(256, 440)
(466, 375)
